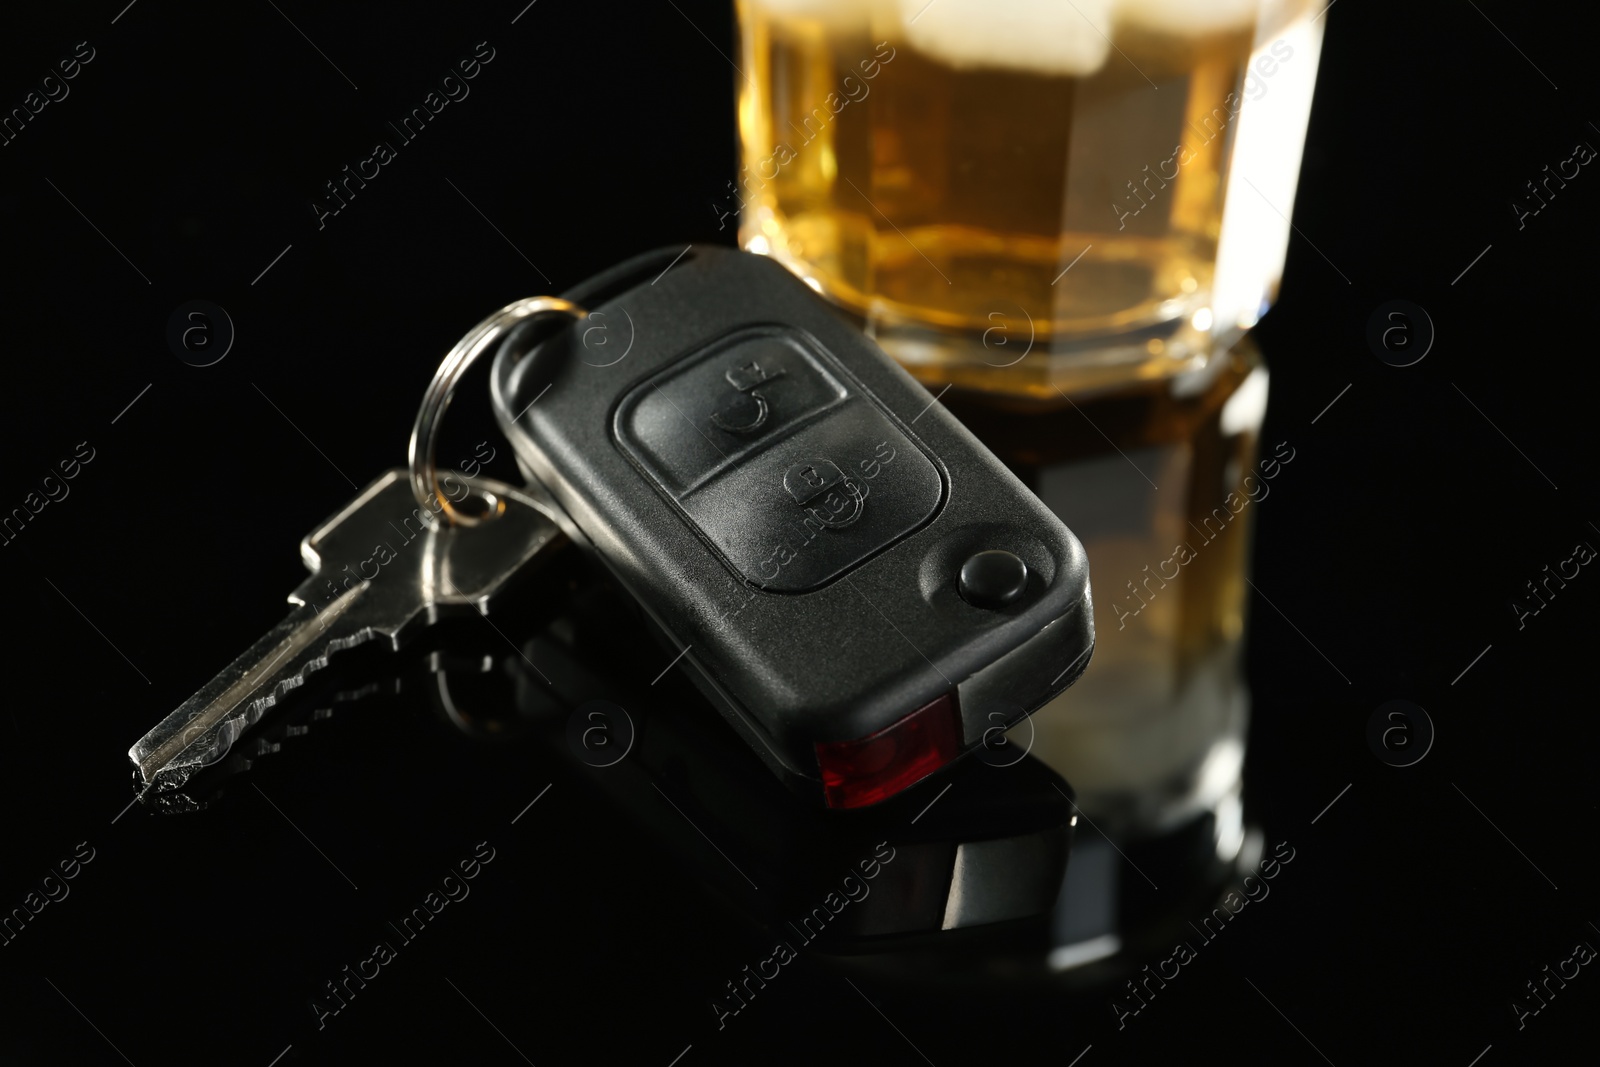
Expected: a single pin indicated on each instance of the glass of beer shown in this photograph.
(1062, 216)
(1105, 184)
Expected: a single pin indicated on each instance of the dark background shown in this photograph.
(194, 142)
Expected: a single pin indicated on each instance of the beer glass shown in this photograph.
(1070, 212)
(1105, 183)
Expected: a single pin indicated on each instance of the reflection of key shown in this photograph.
(382, 567)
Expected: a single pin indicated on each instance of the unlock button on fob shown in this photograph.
(719, 407)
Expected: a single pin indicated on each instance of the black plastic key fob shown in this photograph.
(860, 587)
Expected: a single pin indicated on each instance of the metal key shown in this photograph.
(383, 567)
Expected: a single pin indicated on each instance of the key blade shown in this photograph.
(202, 729)
(382, 567)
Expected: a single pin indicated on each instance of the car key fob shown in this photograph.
(856, 583)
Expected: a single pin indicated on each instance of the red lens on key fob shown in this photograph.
(876, 767)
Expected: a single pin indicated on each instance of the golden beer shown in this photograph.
(979, 178)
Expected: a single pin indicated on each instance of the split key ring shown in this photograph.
(424, 435)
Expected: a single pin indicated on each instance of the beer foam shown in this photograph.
(1188, 17)
(833, 14)
(1041, 36)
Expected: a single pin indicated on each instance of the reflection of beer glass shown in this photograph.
(1070, 210)
(1110, 179)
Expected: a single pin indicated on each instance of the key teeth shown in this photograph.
(214, 743)
(166, 790)
(202, 731)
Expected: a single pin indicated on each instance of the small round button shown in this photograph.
(993, 579)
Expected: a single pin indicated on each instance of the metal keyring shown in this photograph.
(424, 435)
